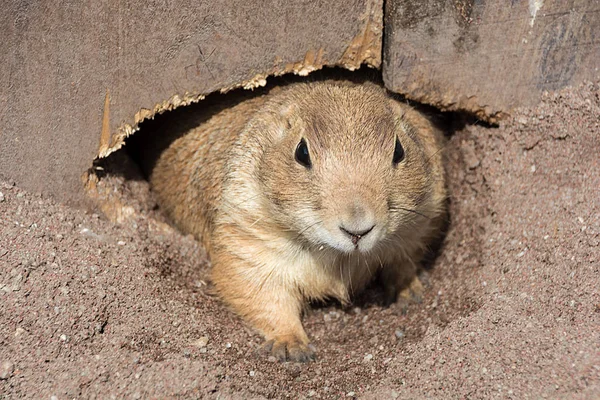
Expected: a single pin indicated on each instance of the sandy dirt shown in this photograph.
(92, 309)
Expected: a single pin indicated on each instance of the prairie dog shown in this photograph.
(306, 194)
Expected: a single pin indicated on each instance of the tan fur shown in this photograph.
(273, 226)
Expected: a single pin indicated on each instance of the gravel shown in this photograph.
(6, 369)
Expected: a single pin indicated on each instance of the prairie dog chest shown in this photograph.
(319, 275)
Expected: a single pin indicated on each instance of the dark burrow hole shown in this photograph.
(129, 167)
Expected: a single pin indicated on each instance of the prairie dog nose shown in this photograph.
(357, 220)
(357, 212)
(356, 235)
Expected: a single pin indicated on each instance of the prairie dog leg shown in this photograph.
(279, 320)
(270, 307)
(402, 284)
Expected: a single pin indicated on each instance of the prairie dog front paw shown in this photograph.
(289, 348)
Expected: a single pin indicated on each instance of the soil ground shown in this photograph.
(93, 309)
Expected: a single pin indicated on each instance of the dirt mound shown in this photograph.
(92, 309)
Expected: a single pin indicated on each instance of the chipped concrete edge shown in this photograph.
(111, 143)
(418, 88)
(464, 104)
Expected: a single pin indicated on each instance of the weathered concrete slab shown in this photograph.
(489, 56)
(78, 76)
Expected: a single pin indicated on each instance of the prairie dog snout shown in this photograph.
(306, 194)
(355, 220)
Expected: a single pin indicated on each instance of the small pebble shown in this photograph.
(368, 357)
(470, 156)
(252, 373)
(88, 233)
(6, 369)
(350, 394)
(311, 393)
(202, 342)
(1, 197)
(399, 334)
(522, 120)
(271, 359)
(121, 243)
(63, 337)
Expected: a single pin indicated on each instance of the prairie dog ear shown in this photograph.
(400, 112)
(287, 118)
(289, 114)
(397, 108)
(407, 121)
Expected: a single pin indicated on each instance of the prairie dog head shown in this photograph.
(339, 166)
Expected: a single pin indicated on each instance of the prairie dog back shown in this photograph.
(188, 175)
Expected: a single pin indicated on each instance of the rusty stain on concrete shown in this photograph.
(105, 130)
(366, 46)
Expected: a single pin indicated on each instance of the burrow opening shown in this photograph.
(123, 194)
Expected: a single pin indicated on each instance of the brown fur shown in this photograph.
(273, 226)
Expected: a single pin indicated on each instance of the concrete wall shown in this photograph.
(489, 56)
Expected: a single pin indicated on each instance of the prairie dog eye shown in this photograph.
(398, 152)
(302, 155)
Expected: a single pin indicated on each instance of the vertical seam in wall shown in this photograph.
(384, 33)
